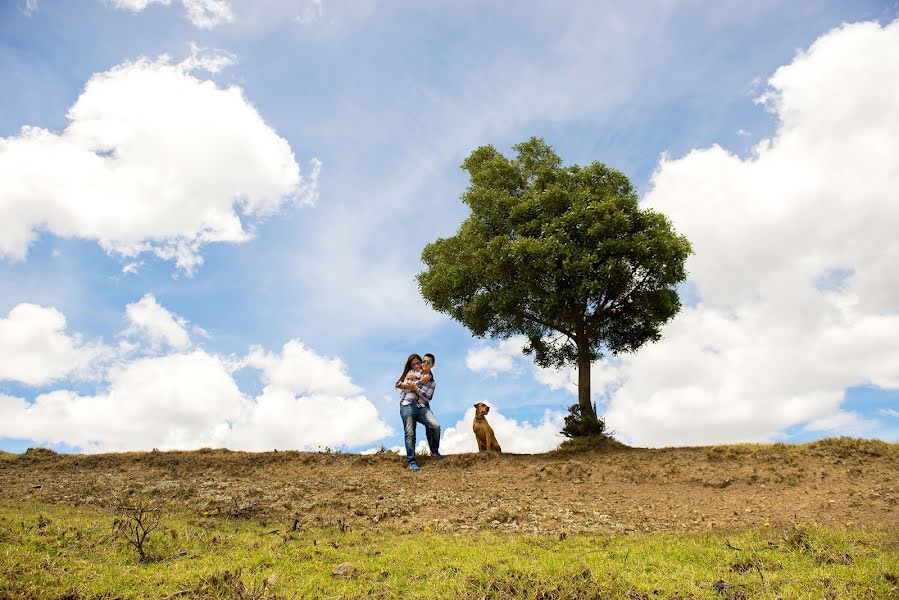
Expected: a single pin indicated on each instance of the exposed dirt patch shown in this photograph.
(609, 489)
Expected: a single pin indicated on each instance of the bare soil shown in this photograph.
(583, 488)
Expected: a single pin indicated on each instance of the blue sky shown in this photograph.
(213, 223)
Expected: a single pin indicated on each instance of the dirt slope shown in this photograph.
(600, 489)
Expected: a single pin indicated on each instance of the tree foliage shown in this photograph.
(562, 255)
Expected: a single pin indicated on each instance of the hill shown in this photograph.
(610, 488)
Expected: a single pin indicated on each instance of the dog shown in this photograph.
(482, 430)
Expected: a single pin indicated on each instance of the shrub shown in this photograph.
(578, 425)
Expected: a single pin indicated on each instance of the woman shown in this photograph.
(417, 386)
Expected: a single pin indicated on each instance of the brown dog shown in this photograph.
(482, 430)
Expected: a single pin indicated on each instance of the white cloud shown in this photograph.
(136, 5)
(300, 370)
(513, 436)
(174, 401)
(496, 359)
(844, 423)
(153, 159)
(190, 400)
(207, 14)
(889, 412)
(794, 262)
(281, 419)
(212, 60)
(795, 254)
(35, 348)
(149, 318)
(184, 399)
(132, 268)
(204, 14)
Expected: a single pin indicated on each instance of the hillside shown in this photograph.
(610, 489)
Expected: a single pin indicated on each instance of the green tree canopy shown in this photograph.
(562, 255)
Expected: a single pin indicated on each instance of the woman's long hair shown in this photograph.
(408, 366)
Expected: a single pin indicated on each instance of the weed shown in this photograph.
(231, 585)
(136, 519)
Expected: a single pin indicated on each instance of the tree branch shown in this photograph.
(617, 301)
(526, 315)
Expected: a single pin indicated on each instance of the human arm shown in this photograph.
(425, 390)
(401, 383)
(408, 382)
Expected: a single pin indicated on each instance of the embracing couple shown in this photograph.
(416, 386)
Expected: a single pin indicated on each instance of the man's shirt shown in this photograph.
(422, 397)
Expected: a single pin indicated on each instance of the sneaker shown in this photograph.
(413, 466)
(438, 456)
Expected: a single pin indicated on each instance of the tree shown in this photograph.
(562, 255)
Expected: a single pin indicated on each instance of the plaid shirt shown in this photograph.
(424, 395)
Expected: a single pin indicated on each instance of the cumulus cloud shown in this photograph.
(149, 318)
(35, 348)
(185, 399)
(496, 359)
(300, 370)
(794, 265)
(153, 159)
(174, 401)
(795, 252)
(520, 437)
(281, 419)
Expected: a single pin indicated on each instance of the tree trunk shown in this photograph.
(583, 381)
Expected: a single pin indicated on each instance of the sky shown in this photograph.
(212, 213)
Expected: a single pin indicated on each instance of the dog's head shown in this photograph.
(481, 409)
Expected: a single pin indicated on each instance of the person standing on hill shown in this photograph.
(417, 386)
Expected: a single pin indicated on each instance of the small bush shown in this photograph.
(137, 519)
(579, 425)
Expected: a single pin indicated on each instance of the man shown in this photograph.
(416, 393)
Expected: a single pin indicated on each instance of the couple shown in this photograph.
(416, 386)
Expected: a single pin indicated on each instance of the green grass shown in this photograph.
(74, 552)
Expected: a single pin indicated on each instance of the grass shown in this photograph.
(55, 551)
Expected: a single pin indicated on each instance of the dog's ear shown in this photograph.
(476, 404)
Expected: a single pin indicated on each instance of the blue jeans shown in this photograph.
(412, 415)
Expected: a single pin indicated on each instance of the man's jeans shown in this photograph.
(412, 415)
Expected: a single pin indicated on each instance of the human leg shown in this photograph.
(409, 417)
(432, 429)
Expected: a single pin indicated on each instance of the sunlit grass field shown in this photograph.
(57, 551)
